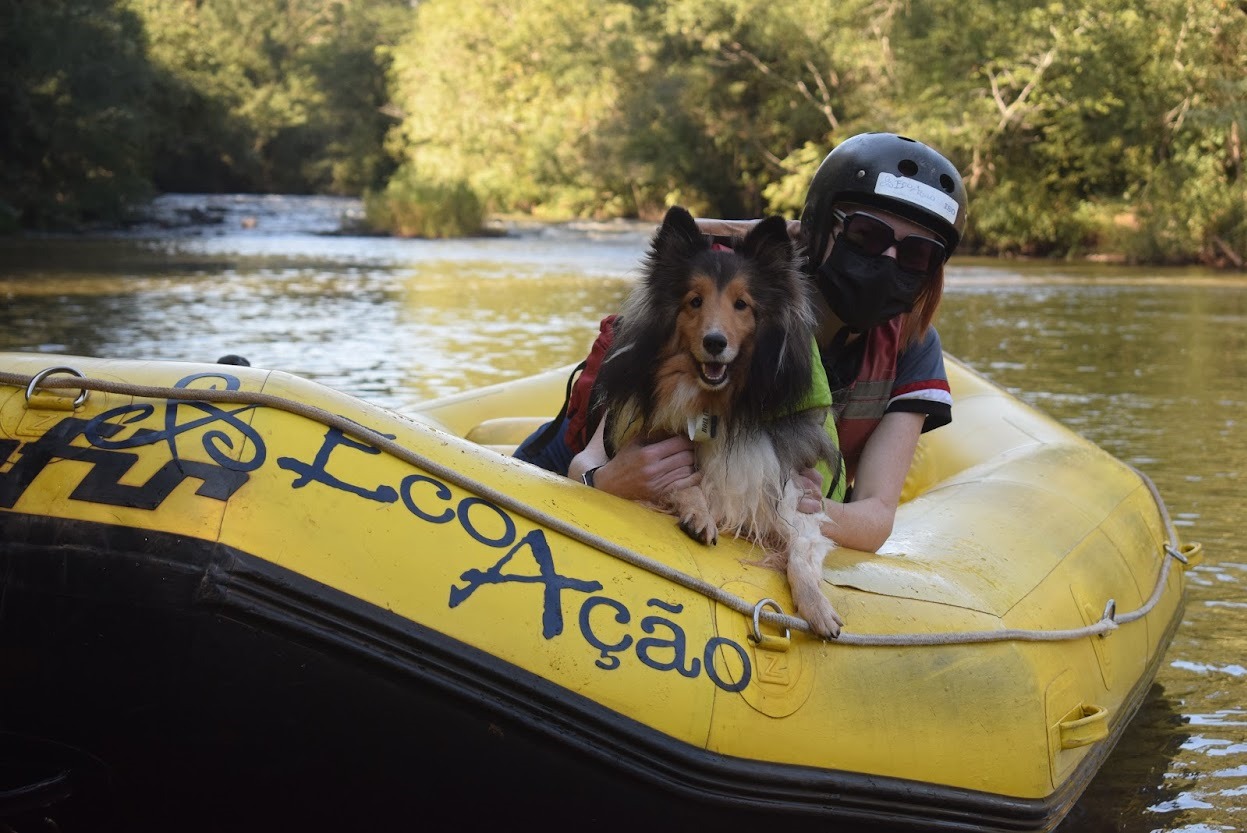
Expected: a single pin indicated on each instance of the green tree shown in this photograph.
(1066, 116)
(513, 99)
(772, 85)
(1080, 125)
(75, 139)
(1194, 203)
(277, 95)
(624, 108)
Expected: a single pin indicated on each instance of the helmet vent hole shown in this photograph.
(907, 167)
(946, 182)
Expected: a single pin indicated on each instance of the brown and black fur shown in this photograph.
(728, 335)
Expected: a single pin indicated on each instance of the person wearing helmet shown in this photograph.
(882, 215)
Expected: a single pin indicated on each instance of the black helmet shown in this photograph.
(892, 172)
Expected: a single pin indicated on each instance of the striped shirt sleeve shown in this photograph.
(922, 383)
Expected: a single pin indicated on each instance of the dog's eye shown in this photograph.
(740, 304)
(695, 302)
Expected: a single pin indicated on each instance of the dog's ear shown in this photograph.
(679, 236)
(768, 242)
(782, 364)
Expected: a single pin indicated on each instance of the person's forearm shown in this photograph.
(585, 460)
(862, 525)
(739, 228)
(866, 523)
(725, 228)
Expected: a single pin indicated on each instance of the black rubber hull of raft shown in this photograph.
(151, 682)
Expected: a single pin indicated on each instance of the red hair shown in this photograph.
(917, 320)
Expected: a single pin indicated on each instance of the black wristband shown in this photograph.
(587, 477)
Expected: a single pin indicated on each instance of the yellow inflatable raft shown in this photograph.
(231, 598)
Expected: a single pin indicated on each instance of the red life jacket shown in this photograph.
(582, 417)
(859, 413)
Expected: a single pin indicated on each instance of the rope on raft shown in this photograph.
(1108, 623)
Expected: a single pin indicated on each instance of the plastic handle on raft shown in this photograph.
(1084, 726)
(1192, 554)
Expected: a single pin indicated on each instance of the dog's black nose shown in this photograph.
(714, 343)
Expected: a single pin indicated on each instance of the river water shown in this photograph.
(1149, 363)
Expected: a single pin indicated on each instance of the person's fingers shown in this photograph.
(669, 446)
(656, 468)
(675, 472)
(666, 457)
(683, 481)
(682, 461)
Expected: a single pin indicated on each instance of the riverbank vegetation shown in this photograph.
(1090, 127)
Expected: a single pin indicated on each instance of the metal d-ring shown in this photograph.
(756, 636)
(43, 374)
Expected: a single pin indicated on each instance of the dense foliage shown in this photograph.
(1081, 126)
(75, 110)
(104, 102)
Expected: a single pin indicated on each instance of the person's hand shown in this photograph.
(810, 482)
(649, 471)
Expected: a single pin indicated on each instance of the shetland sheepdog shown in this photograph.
(718, 344)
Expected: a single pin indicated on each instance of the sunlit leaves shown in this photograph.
(519, 100)
(1078, 124)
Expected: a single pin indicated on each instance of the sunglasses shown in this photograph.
(871, 236)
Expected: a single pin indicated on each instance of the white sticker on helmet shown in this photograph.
(917, 193)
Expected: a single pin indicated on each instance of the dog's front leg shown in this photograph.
(807, 550)
(805, 579)
(693, 510)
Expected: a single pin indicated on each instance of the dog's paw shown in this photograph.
(813, 607)
(693, 510)
(824, 621)
(700, 528)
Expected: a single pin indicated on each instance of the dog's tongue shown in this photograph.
(714, 371)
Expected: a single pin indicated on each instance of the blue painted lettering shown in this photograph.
(607, 658)
(609, 653)
(217, 443)
(712, 669)
(317, 472)
(548, 577)
(605, 623)
(508, 525)
(647, 647)
(440, 490)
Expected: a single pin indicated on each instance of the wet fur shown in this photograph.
(728, 334)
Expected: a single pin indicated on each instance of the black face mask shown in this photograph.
(865, 291)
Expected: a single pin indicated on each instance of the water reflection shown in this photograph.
(1153, 373)
(395, 321)
(1147, 363)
